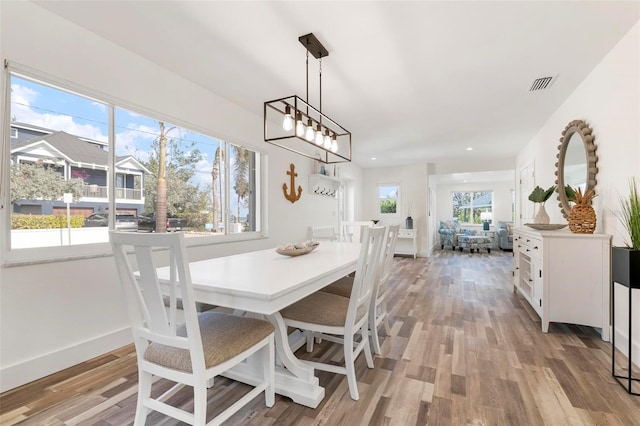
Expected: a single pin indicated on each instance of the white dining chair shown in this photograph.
(192, 353)
(323, 233)
(378, 310)
(340, 319)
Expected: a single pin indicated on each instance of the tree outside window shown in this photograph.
(467, 206)
(388, 196)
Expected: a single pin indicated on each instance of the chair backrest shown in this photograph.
(352, 231)
(367, 270)
(150, 321)
(389, 251)
(324, 233)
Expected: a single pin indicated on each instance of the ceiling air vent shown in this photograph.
(541, 83)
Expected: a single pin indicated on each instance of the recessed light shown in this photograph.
(469, 149)
(373, 158)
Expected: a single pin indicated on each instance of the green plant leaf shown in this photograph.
(539, 195)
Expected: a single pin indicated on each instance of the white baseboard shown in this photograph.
(622, 344)
(20, 373)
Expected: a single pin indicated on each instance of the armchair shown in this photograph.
(505, 235)
(449, 230)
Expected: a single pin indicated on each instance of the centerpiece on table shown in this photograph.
(625, 261)
(582, 217)
(540, 196)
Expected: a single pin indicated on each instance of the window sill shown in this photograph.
(42, 255)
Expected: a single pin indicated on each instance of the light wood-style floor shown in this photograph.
(464, 350)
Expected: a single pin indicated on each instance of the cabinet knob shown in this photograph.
(536, 247)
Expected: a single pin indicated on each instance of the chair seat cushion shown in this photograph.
(342, 287)
(321, 308)
(223, 337)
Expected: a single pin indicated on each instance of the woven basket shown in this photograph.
(582, 219)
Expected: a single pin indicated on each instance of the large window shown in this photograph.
(467, 206)
(60, 144)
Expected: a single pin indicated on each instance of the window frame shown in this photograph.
(472, 208)
(17, 257)
(398, 199)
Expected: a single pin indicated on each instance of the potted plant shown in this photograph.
(625, 261)
(539, 195)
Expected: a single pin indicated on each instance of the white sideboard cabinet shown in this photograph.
(564, 276)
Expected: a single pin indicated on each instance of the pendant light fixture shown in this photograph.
(312, 133)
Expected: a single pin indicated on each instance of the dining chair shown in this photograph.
(378, 310)
(323, 233)
(340, 319)
(352, 231)
(190, 354)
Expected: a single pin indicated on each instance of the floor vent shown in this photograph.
(541, 83)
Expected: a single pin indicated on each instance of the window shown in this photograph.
(14, 133)
(64, 147)
(388, 199)
(467, 206)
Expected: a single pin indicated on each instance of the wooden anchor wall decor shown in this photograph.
(291, 196)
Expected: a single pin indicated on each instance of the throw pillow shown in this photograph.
(510, 229)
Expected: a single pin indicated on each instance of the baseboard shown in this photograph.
(18, 374)
(622, 344)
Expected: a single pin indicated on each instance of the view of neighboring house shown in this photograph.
(80, 158)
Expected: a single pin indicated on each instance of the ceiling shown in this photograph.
(415, 82)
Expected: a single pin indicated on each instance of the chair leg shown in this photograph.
(309, 338)
(349, 363)
(268, 366)
(373, 331)
(200, 403)
(144, 391)
(367, 349)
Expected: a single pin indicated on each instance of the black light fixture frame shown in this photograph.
(308, 112)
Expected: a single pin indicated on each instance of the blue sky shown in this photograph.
(54, 109)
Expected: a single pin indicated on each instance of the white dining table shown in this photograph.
(264, 282)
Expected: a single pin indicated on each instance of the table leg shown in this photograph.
(293, 378)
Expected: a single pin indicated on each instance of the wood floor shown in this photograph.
(464, 350)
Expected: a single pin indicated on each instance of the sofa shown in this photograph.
(449, 230)
(505, 235)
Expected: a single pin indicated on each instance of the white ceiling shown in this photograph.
(414, 82)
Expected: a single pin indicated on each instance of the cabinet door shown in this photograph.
(536, 276)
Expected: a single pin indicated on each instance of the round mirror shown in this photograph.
(577, 161)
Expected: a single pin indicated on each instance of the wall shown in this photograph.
(609, 100)
(413, 181)
(57, 314)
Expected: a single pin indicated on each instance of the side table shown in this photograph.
(619, 378)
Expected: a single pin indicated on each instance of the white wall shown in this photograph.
(609, 101)
(413, 181)
(57, 314)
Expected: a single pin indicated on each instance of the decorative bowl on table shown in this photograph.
(546, 226)
(297, 249)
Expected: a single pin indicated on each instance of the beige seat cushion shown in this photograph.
(342, 287)
(321, 308)
(223, 337)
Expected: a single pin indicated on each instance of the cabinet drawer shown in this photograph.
(528, 245)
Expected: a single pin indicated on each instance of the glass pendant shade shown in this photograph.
(310, 134)
(327, 142)
(334, 146)
(300, 129)
(287, 121)
(319, 137)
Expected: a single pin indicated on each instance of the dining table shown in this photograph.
(262, 283)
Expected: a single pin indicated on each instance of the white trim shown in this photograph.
(20, 373)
